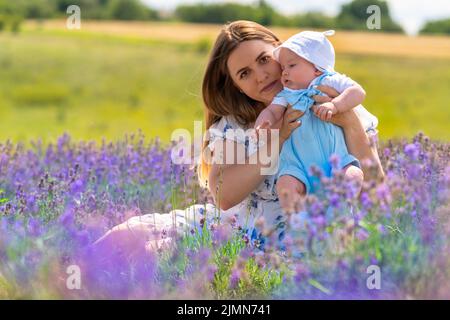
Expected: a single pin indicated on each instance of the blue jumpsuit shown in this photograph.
(314, 142)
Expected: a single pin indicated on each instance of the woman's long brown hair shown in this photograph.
(220, 96)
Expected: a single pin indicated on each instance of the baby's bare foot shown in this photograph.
(290, 191)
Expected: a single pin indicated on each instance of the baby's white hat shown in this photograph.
(312, 46)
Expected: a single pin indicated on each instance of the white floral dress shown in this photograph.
(262, 202)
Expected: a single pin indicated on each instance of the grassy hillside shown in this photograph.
(111, 78)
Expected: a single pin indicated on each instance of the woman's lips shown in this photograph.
(269, 87)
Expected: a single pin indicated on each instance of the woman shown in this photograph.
(240, 80)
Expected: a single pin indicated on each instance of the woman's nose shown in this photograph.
(262, 76)
(284, 73)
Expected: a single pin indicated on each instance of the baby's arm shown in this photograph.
(348, 99)
(351, 95)
(272, 114)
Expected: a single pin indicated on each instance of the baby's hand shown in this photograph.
(325, 111)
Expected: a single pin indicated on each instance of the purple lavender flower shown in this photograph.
(234, 278)
(68, 194)
(362, 234)
(412, 150)
(334, 161)
(301, 273)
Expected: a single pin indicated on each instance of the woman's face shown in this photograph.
(254, 70)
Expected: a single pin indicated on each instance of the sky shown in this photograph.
(411, 14)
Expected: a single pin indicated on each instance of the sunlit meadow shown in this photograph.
(111, 78)
(61, 192)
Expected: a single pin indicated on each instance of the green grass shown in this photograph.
(95, 86)
(406, 94)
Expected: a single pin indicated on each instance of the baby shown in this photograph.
(307, 60)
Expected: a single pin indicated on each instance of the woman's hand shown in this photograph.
(289, 123)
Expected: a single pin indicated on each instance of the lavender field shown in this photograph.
(57, 199)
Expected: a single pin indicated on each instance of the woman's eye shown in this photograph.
(265, 59)
(243, 75)
(291, 65)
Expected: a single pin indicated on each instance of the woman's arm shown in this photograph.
(360, 146)
(357, 141)
(232, 183)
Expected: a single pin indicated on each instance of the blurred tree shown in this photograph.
(131, 10)
(353, 16)
(109, 9)
(310, 19)
(265, 14)
(8, 7)
(38, 9)
(11, 15)
(216, 13)
(90, 9)
(261, 12)
(436, 26)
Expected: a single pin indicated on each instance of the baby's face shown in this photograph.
(297, 72)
